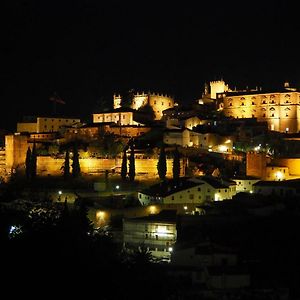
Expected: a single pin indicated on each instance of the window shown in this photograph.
(253, 103)
(230, 104)
(162, 103)
(172, 197)
(123, 117)
(191, 196)
(199, 189)
(264, 115)
(154, 102)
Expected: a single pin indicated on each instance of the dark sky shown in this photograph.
(87, 50)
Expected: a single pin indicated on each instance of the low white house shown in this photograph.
(184, 190)
(286, 188)
(182, 137)
(155, 232)
(214, 266)
(245, 184)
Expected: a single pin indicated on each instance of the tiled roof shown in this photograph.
(169, 187)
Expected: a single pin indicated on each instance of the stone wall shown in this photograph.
(147, 167)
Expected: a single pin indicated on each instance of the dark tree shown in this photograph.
(75, 164)
(66, 165)
(176, 164)
(131, 172)
(33, 160)
(124, 166)
(127, 98)
(28, 163)
(147, 114)
(162, 164)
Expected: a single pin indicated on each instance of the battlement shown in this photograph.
(145, 94)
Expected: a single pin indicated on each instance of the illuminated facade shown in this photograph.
(121, 116)
(158, 102)
(281, 110)
(187, 191)
(45, 124)
(279, 169)
(156, 232)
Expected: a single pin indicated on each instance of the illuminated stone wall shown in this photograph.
(46, 124)
(143, 167)
(158, 102)
(126, 118)
(15, 150)
(26, 127)
(280, 110)
(218, 86)
(256, 164)
(293, 165)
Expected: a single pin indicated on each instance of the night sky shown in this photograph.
(87, 50)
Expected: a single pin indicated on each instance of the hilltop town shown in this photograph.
(205, 194)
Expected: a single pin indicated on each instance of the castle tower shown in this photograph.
(15, 150)
(256, 164)
(217, 87)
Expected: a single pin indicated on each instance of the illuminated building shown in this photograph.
(245, 184)
(158, 102)
(155, 232)
(45, 124)
(121, 116)
(286, 188)
(280, 109)
(188, 191)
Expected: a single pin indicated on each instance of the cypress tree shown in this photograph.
(75, 165)
(33, 160)
(162, 164)
(124, 166)
(66, 166)
(176, 164)
(28, 163)
(131, 172)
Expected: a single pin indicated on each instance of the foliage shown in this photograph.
(141, 256)
(147, 114)
(53, 149)
(66, 166)
(28, 163)
(176, 164)
(131, 172)
(107, 145)
(124, 166)
(75, 164)
(127, 98)
(162, 164)
(33, 161)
